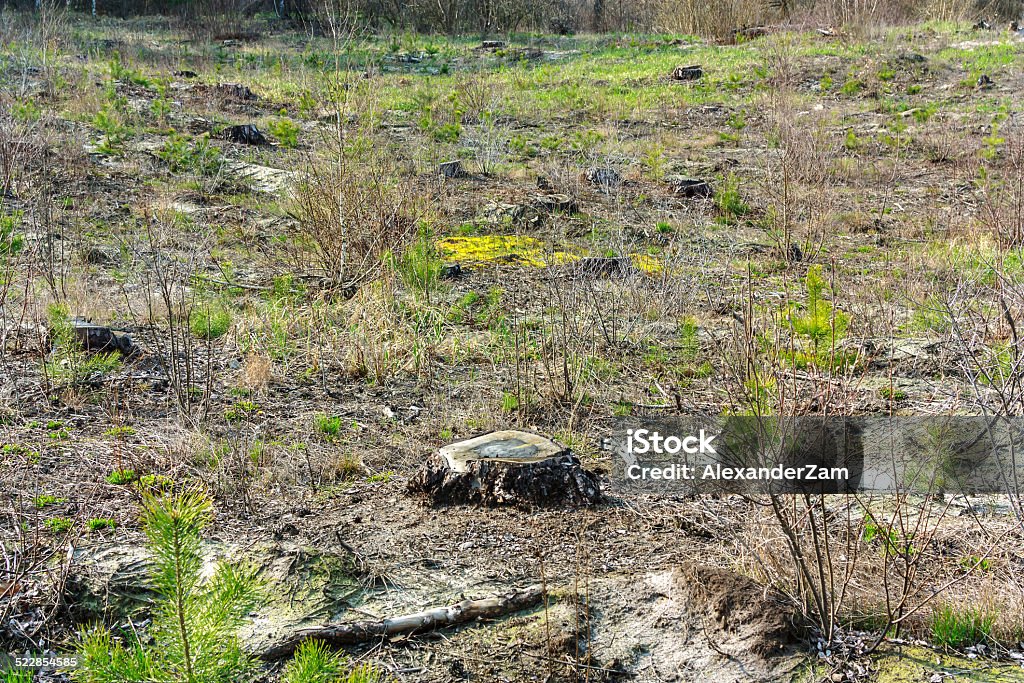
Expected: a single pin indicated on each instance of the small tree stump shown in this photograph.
(692, 72)
(246, 134)
(93, 338)
(506, 468)
(691, 188)
(451, 169)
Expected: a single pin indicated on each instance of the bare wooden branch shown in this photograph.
(436, 617)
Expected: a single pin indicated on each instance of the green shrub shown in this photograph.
(58, 525)
(315, 662)
(210, 321)
(193, 636)
(328, 425)
(18, 676)
(154, 483)
(241, 410)
(509, 402)
(11, 241)
(184, 155)
(286, 131)
(729, 201)
(121, 72)
(46, 500)
(954, 626)
(101, 524)
(121, 477)
(420, 267)
(115, 131)
(818, 322)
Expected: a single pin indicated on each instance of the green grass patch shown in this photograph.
(957, 626)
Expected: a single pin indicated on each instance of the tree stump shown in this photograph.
(93, 338)
(246, 134)
(506, 468)
(692, 72)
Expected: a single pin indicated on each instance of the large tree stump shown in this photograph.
(506, 468)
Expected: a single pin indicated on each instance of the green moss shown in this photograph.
(121, 477)
(895, 664)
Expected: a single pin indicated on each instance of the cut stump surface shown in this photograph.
(506, 468)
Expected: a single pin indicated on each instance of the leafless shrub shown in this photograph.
(170, 301)
(34, 564)
(1003, 193)
(714, 19)
(350, 215)
(21, 152)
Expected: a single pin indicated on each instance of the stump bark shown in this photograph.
(506, 468)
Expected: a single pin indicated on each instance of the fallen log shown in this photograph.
(437, 617)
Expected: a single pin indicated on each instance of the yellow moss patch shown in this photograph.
(646, 263)
(913, 664)
(525, 251)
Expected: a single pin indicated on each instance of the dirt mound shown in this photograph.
(559, 481)
(740, 614)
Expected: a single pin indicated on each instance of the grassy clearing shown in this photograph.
(318, 314)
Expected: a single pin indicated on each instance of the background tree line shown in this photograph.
(494, 17)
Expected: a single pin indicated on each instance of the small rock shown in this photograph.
(605, 178)
(246, 134)
(688, 73)
(690, 188)
(451, 169)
